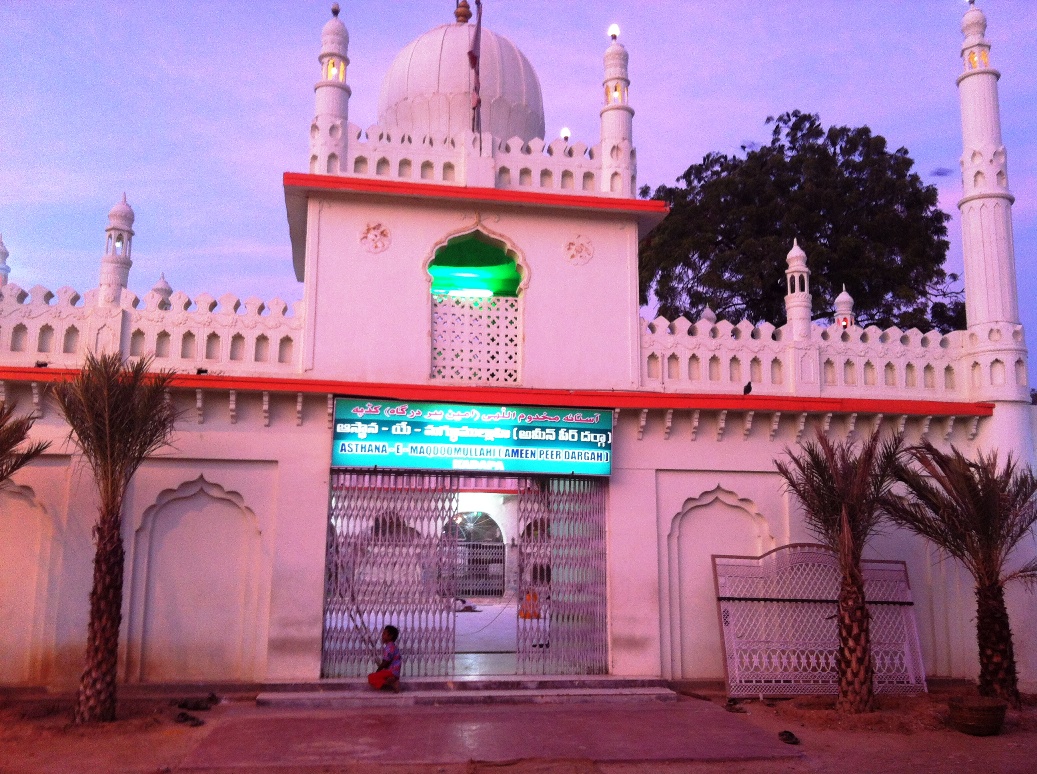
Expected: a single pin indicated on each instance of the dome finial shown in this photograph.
(335, 10)
(463, 12)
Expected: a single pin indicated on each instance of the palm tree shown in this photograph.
(119, 414)
(13, 434)
(840, 486)
(978, 512)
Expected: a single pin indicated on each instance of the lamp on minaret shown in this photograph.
(986, 207)
(798, 301)
(5, 270)
(116, 263)
(844, 316)
(618, 168)
(328, 134)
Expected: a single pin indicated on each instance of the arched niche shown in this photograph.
(475, 263)
(198, 576)
(26, 541)
(716, 522)
(479, 233)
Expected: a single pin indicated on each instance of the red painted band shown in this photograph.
(518, 396)
(465, 193)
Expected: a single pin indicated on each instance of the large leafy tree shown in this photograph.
(841, 486)
(119, 414)
(978, 511)
(863, 216)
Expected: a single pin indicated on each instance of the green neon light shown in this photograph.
(469, 266)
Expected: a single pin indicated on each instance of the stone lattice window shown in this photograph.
(476, 339)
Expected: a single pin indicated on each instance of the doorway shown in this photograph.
(482, 575)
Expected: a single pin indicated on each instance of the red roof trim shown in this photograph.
(516, 396)
(465, 193)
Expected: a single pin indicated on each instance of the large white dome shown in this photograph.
(428, 89)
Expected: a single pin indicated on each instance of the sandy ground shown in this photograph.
(905, 735)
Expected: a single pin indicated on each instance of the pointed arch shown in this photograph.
(27, 536)
(199, 574)
(715, 522)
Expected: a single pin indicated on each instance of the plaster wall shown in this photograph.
(677, 500)
(224, 535)
(231, 523)
(580, 325)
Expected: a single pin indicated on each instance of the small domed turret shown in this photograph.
(973, 24)
(5, 270)
(162, 287)
(797, 259)
(121, 215)
(844, 316)
(798, 301)
(334, 38)
(116, 263)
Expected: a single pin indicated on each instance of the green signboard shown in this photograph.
(461, 437)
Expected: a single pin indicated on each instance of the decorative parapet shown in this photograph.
(718, 357)
(222, 335)
(559, 167)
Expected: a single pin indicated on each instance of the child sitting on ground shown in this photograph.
(387, 675)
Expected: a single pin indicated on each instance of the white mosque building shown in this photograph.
(466, 409)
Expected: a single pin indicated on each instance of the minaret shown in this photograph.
(5, 270)
(995, 357)
(618, 165)
(844, 316)
(328, 134)
(986, 207)
(798, 301)
(116, 263)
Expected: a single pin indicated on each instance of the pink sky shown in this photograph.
(195, 109)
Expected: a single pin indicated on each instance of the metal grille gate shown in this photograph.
(561, 591)
(388, 564)
(388, 561)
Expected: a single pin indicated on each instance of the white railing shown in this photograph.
(716, 356)
(222, 335)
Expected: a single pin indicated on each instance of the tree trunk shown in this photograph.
(997, 676)
(854, 658)
(96, 702)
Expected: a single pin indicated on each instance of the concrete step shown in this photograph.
(474, 683)
(419, 695)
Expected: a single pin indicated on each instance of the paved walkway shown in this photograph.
(250, 738)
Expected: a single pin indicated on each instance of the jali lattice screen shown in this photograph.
(476, 339)
(778, 618)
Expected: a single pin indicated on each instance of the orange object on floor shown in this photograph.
(530, 607)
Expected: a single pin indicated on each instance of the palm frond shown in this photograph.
(841, 486)
(118, 414)
(978, 511)
(15, 449)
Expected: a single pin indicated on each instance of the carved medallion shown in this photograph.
(375, 238)
(579, 250)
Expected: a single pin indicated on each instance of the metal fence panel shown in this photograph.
(780, 631)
